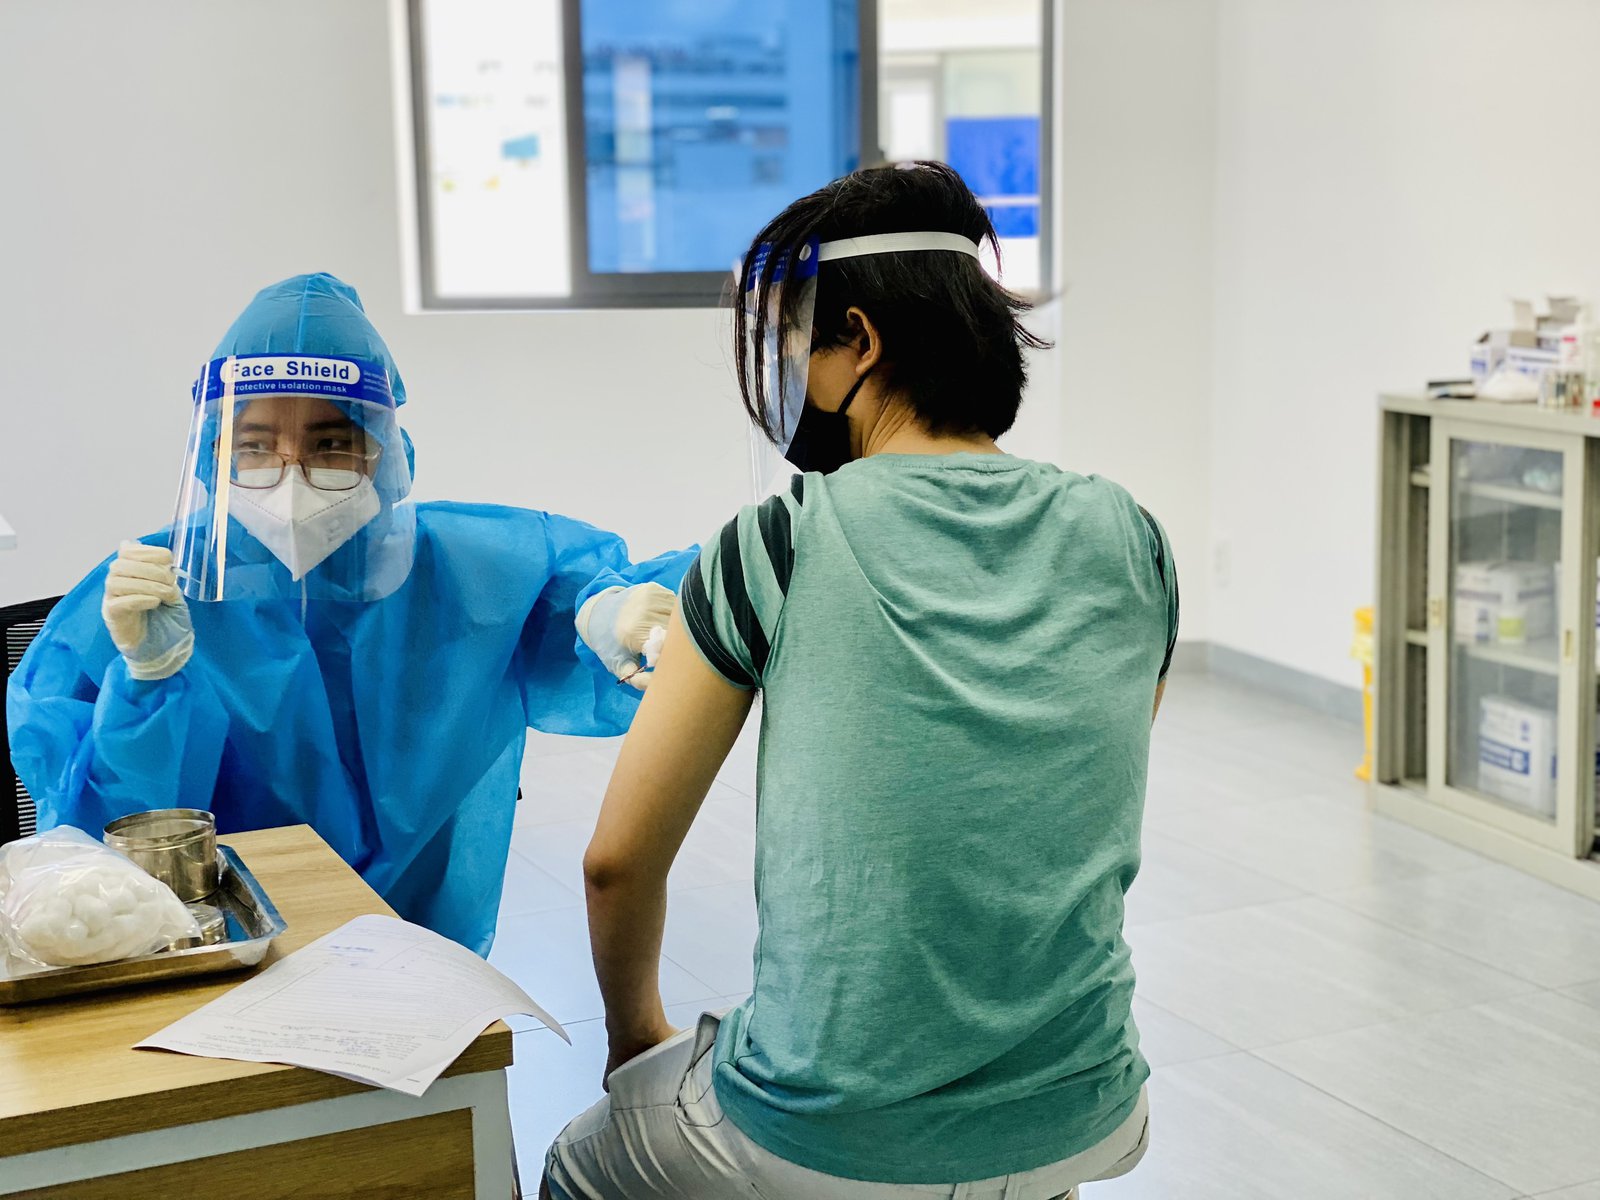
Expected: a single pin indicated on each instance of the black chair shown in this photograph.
(20, 624)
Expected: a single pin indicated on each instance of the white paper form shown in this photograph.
(379, 1001)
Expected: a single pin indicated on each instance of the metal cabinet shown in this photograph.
(1486, 680)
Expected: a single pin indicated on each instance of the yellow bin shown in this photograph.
(1361, 651)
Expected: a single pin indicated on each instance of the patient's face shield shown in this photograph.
(296, 483)
(777, 352)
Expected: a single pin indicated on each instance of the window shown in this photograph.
(580, 153)
(966, 81)
(607, 152)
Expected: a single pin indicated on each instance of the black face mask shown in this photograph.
(822, 439)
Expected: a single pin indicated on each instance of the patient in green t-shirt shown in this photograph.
(960, 653)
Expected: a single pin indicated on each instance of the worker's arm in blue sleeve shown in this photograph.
(666, 569)
(90, 743)
(566, 689)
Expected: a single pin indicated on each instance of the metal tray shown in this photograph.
(252, 920)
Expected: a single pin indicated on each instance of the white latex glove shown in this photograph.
(617, 622)
(146, 613)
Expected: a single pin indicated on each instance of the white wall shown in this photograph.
(1387, 174)
(163, 160)
(1136, 152)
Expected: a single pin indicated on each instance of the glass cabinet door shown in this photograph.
(1506, 730)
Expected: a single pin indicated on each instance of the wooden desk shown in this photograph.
(83, 1116)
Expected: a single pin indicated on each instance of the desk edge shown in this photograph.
(50, 1129)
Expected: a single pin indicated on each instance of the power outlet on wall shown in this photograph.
(1222, 563)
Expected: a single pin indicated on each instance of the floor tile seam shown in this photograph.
(700, 887)
(1539, 984)
(1403, 877)
(1395, 1019)
(578, 907)
(1177, 1016)
(1567, 1187)
(710, 990)
(1256, 869)
(511, 915)
(1516, 1191)
(1300, 898)
(1217, 912)
(1180, 840)
(536, 866)
(1208, 1056)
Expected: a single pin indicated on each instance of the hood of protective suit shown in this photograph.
(315, 314)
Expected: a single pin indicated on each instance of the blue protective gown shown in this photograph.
(394, 728)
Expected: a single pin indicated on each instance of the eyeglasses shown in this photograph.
(325, 470)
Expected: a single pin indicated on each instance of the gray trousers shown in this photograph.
(661, 1135)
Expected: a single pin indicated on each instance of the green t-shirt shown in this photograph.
(958, 656)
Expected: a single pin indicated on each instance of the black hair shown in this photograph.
(952, 341)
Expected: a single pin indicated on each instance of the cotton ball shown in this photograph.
(56, 907)
(59, 944)
(40, 928)
(148, 890)
(96, 943)
(91, 909)
(113, 943)
(653, 643)
(120, 899)
(130, 930)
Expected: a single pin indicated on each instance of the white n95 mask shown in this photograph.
(300, 524)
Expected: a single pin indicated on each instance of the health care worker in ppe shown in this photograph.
(307, 644)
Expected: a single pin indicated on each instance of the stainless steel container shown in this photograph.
(212, 922)
(176, 845)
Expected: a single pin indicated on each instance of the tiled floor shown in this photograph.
(1337, 1007)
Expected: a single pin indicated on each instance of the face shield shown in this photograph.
(296, 483)
(777, 353)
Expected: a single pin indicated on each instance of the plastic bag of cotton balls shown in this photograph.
(67, 901)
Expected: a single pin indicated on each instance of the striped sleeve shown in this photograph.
(1161, 550)
(733, 595)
